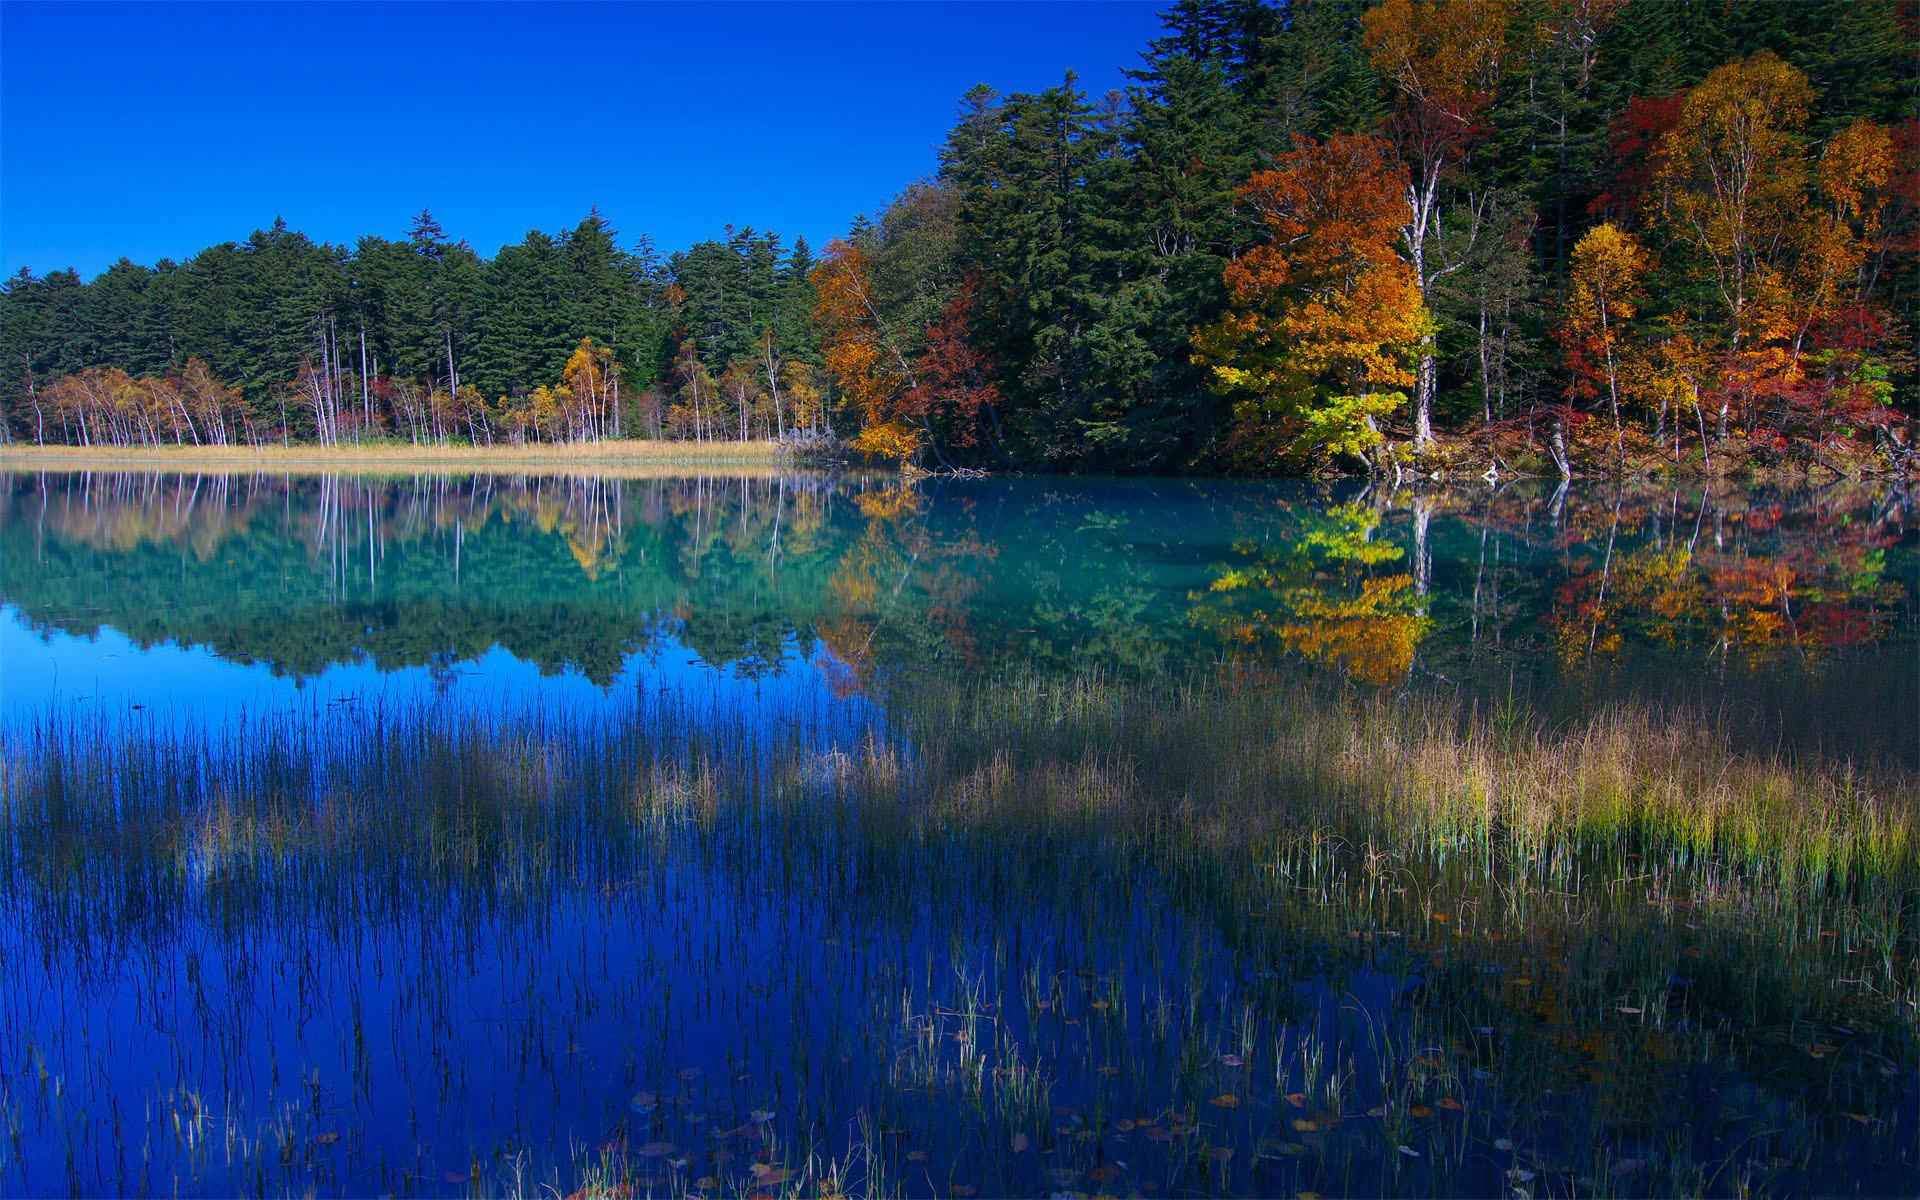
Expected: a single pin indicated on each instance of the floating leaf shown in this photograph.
(1304, 1125)
(1019, 1142)
(325, 1139)
(1231, 1060)
(1220, 1154)
(1410, 1152)
(1448, 1103)
(761, 1116)
(1225, 1100)
(1299, 1100)
(1421, 1111)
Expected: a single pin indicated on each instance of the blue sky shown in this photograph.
(153, 130)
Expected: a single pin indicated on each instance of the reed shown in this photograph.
(1005, 935)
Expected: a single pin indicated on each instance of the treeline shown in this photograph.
(281, 338)
(1591, 231)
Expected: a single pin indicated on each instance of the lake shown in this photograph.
(817, 834)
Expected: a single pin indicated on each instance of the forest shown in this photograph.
(1597, 236)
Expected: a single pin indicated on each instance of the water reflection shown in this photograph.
(1778, 599)
(796, 834)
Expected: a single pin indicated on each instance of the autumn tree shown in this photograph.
(1603, 293)
(1776, 240)
(1729, 181)
(1443, 58)
(862, 354)
(1322, 312)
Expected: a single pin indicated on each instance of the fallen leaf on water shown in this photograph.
(1105, 1173)
(325, 1139)
(1448, 1103)
(1303, 1125)
(1019, 1142)
(761, 1116)
(1225, 1100)
(457, 1177)
(1231, 1060)
(1421, 1111)
(1297, 1099)
(1157, 1134)
(1410, 1152)
(705, 1182)
(1220, 1154)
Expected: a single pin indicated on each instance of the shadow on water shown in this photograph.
(1028, 836)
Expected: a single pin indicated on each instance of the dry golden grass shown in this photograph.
(617, 458)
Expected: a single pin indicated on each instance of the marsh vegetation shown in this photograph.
(1274, 858)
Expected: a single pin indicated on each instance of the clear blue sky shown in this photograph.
(153, 130)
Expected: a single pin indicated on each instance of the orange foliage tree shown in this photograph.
(1779, 240)
(1443, 58)
(1322, 314)
(865, 361)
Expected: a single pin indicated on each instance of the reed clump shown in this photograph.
(1213, 934)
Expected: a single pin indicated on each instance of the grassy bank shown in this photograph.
(610, 457)
(1225, 935)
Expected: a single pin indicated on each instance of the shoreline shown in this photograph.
(602, 458)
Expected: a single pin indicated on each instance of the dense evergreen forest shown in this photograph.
(1595, 234)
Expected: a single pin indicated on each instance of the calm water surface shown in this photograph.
(720, 1006)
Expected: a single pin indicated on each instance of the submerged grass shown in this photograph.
(1231, 934)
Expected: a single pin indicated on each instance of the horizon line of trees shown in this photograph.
(1313, 231)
